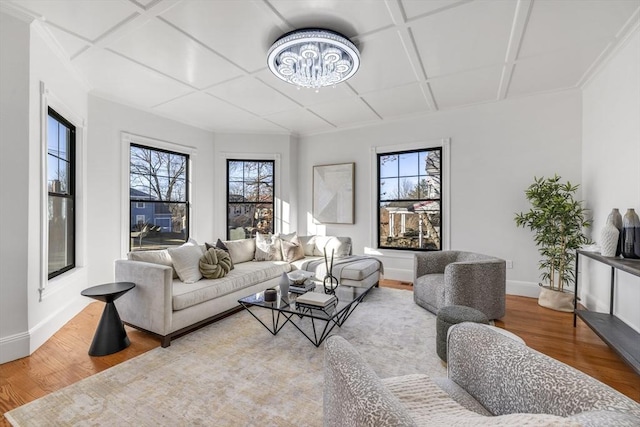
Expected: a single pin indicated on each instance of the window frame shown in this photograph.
(273, 191)
(444, 200)
(70, 195)
(146, 202)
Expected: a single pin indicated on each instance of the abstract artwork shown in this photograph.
(333, 193)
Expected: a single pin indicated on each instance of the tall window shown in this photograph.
(409, 200)
(61, 141)
(250, 206)
(159, 198)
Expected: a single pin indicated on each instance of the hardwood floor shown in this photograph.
(63, 359)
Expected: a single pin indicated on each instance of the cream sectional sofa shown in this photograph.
(164, 305)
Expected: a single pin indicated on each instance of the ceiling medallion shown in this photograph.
(313, 58)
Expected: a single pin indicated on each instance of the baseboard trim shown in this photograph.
(44, 330)
(399, 274)
(523, 289)
(14, 347)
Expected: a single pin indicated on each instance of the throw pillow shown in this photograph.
(186, 261)
(215, 263)
(242, 250)
(341, 246)
(292, 250)
(220, 245)
(268, 248)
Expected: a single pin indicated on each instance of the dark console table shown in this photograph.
(623, 339)
(110, 337)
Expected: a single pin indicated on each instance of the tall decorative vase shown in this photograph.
(616, 219)
(631, 234)
(609, 240)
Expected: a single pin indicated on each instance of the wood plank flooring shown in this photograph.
(63, 359)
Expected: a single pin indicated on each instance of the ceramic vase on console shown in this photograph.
(616, 219)
(630, 234)
(609, 240)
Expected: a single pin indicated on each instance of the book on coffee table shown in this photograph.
(301, 289)
(316, 299)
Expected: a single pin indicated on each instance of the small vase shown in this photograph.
(630, 235)
(609, 240)
(616, 219)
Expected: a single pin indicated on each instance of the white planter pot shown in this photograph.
(555, 300)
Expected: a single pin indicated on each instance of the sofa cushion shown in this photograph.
(160, 257)
(242, 250)
(358, 270)
(267, 248)
(292, 250)
(186, 261)
(244, 275)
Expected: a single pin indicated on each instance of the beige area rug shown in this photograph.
(235, 373)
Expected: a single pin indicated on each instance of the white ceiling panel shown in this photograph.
(239, 30)
(398, 101)
(211, 113)
(70, 43)
(253, 95)
(563, 24)
(163, 48)
(347, 112)
(119, 78)
(305, 97)
(469, 36)
(349, 17)
(466, 88)
(89, 19)
(413, 8)
(559, 70)
(203, 62)
(384, 65)
(300, 121)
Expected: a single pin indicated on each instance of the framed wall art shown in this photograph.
(333, 193)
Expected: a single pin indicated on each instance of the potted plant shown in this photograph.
(557, 220)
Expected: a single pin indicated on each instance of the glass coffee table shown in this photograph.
(315, 323)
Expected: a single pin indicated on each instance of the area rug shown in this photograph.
(235, 373)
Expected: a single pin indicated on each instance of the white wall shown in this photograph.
(282, 149)
(611, 170)
(14, 178)
(496, 149)
(107, 208)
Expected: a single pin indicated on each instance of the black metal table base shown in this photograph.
(110, 336)
(319, 333)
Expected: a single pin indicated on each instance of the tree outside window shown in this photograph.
(250, 201)
(158, 192)
(409, 200)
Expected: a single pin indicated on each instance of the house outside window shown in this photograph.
(158, 198)
(250, 201)
(410, 200)
(61, 166)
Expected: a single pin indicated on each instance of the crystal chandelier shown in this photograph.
(313, 58)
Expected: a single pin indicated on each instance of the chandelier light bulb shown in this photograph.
(313, 58)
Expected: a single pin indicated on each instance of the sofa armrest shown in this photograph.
(149, 304)
(353, 394)
(507, 377)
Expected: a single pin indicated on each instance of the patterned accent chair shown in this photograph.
(492, 380)
(446, 278)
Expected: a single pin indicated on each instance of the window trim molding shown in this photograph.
(221, 193)
(445, 145)
(127, 139)
(48, 99)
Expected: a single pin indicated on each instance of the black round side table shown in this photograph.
(110, 336)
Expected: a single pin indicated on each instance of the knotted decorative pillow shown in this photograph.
(215, 263)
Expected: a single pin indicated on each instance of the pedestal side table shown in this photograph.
(110, 336)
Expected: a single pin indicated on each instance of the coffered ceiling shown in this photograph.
(204, 62)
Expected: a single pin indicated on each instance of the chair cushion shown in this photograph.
(428, 292)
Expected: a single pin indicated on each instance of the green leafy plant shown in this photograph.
(557, 220)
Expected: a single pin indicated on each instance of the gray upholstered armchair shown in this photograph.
(460, 278)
